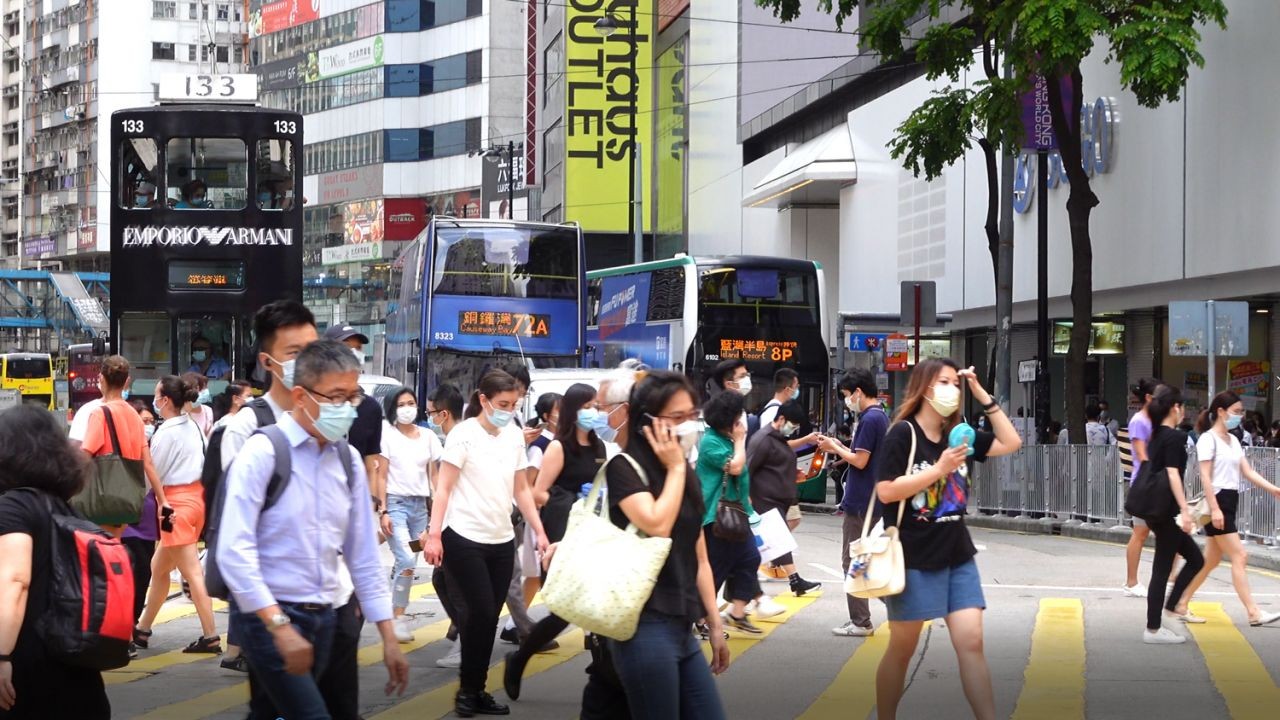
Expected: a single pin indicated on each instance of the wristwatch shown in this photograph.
(278, 621)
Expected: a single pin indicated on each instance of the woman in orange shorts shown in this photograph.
(178, 448)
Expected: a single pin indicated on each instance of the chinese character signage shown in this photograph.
(624, 301)
(282, 15)
(604, 76)
(1251, 380)
(343, 59)
(759, 350)
(473, 322)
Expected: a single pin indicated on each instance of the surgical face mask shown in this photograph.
(359, 355)
(850, 403)
(197, 200)
(689, 433)
(204, 398)
(148, 431)
(199, 355)
(406, 414)
(124, 393)
(264, 199)
(590, 419)
(141, 200)
(744, 385)
(499, 418)
(155, 405)
(286, 372)
(1233, 421)
(945, 400)
(795, 393)
(789, 429)
(334, 421)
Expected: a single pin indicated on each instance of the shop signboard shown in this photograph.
(362, 222)
(282, 15)
(1251, 380)
(351, 253)
(672, 145)
(461, 204)
(605, 76)
(281, 74)
(1106, 338)
(344, 59)
(347, 185)
(1037, 120)
(37, 246)
(495, 181)
(88, 240)
(405, 218)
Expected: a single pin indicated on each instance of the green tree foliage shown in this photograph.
(1153, 42)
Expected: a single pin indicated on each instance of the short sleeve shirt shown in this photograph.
(933, 533)
(408, 460)
(1168, 449)
(133, 438)
(366, 432)
(80, 422)
(859, 485)
(480, 506)
(1139, 429)
(676, 592)
(1226, 456)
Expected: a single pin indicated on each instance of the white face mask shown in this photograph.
(946, 399)
(689, 433)
(406, 414)
(744, 385)
(359, 355)
(850, 403)
(789, 429)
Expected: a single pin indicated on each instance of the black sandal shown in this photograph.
(206, 645)
(141, 638)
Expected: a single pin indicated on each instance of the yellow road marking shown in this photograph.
(438, 702)
(739, 642)
(852, 693)
(1235, 668)
(217, 701)
(1054, 677)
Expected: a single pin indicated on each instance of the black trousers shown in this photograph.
(543, 632)
(141, 551)
(603, 698)
(1170, 541)
(480, 572)
(340, 681)
(441, 584)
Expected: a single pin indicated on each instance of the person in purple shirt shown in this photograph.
(859, 393)
(1139, 436)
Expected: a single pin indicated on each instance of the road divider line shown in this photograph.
(832, 572)
(1053, 685)
(852, 694)
(438, 702)
(1234, 666)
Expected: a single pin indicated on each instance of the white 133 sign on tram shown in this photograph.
(209, 88)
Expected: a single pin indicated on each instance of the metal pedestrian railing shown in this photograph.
(1084, 483)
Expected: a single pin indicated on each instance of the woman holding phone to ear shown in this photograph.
(942, 577)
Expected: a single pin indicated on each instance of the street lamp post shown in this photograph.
(494, 154)
(607, 26)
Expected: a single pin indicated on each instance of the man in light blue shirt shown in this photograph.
(282, 565)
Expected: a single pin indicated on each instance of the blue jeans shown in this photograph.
(664, 671)
(408, 521)
(296, 697)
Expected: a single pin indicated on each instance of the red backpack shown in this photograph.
(89, 621)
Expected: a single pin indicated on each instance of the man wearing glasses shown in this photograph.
(282, 566)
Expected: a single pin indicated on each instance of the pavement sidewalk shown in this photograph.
(1260, 556)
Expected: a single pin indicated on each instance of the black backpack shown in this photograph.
(275, 488)
(211, 473)
(89, 621)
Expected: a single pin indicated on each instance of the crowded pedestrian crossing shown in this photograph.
(1062, 643)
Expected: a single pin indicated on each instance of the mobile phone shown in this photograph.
(415, 545)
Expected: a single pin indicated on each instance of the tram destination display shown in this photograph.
(206, 275)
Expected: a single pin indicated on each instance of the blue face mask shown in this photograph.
(589, 419)
(499, 418)
(264, 199)
(199, 355)
(141, 200)
(334, 421)
(286, 372)
(795, 393)
(1233, 421)
(125, 393)
(204, 398)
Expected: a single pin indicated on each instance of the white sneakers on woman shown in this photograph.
(1163, 636)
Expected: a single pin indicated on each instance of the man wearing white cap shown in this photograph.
(145, 195)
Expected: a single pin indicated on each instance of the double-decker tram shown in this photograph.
(478, 294)
(205, 227)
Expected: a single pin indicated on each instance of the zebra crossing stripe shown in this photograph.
(851, 695)
(1053, 684)
(1236, 670)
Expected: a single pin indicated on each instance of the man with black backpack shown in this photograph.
(282, 329)
(293, 507)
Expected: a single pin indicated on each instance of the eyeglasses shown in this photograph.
(433, 413)
(354, 399)
(677, 419)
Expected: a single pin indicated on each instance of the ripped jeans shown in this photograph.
(408, 521)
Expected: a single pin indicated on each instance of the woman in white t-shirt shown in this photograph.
(412, 453)
(471, 533)
(1224, 470)
(177, 448)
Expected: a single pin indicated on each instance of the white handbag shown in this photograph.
(877, 567)
(601, 576)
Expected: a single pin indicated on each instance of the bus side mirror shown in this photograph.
(413, 366)
(99, 346)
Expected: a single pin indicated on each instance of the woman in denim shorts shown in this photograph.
(942, 578)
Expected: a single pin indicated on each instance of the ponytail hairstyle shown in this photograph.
(492, 383)
(1143, 388)
(179, 390)
(1209, 416)
(1163, 400)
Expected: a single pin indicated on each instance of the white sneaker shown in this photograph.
(1135, 591)
(404, 633)
(453, 659)
(1265, 619)
(1163, 636)
(850, 630)
(765, 607)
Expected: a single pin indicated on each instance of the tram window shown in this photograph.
(137, 184)
(275, 174)
(144, 339)
(204, 344)
(207, 173)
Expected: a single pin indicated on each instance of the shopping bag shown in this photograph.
(773, 537)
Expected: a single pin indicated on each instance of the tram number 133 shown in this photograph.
(209, 88)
